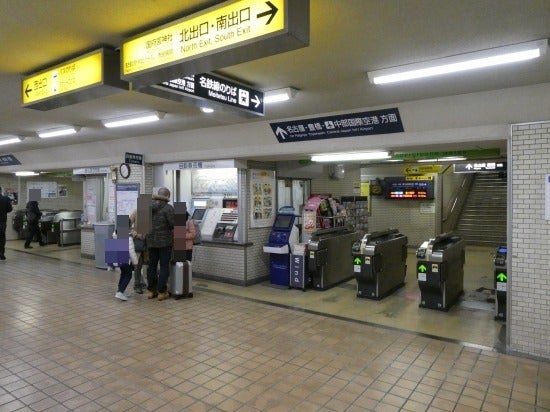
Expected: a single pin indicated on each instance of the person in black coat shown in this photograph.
(33, 216)
(5, 208)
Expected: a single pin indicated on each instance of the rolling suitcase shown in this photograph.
(180, 281)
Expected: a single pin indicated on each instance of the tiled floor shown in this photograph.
(68, 344)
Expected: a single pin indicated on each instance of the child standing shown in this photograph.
(126, 270)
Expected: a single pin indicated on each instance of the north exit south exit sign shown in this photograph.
(209, 39)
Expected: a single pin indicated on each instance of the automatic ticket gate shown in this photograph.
(501, 282)
(440, 271)
(380, 263)
(329, 256)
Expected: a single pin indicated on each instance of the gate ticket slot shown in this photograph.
(380, 263)
(440, 271)
(284, 234)
(501, 282)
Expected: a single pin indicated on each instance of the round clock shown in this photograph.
(124, 170)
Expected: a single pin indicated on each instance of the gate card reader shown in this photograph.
(380, 263)
(440, 271)
(501, 282)
(284, 234)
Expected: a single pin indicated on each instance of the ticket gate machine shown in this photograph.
(380, 263)
(440, 271)
(501, 282)
(329, 256)
(284, 234)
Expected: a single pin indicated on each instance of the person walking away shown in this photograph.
(5, 208)
(190, 234)
(126, 269)
(159, 243)
(141, 252)
(33, 216)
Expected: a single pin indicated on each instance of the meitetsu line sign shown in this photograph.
(217, 89)
(345, 125)
(220, 36)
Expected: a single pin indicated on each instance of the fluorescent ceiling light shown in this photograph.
(342, 157)
(10, 141)
(207, 110)
(26, 173)
(58, 132)
(462, 62)
(443, 159)
(133, 120)
(279, 95)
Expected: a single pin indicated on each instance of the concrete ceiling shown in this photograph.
(347, 39)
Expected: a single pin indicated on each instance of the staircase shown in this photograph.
(483, 218)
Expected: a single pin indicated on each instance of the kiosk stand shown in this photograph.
(284, 234)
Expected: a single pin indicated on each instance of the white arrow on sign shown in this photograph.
(281, 132)
(469, 166)
(256, 101)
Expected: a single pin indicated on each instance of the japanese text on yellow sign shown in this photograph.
(225, 26)
(67, 77)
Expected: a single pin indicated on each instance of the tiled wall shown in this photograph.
(528, 255)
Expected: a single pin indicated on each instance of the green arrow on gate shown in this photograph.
(357, 261)
(501, 277)
(422, 268)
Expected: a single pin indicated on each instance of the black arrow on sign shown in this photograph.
(273, 11)
(27, 90)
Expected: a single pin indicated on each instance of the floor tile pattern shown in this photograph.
(67, 344)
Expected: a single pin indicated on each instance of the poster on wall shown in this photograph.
(126, 198)
(62, 191)
(262, 195)
(48, 190)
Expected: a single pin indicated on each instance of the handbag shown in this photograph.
(139, 245)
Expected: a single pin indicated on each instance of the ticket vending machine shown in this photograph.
(284, 234)
(501, 282)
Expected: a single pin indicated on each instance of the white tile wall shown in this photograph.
(528, 255)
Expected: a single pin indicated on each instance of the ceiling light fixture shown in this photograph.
(343, 157)
(11, 140)
(66, 131)
(462, 62)
(279, 95)
(443, 159)
(207, 110)
(133, 120)
(26, 173)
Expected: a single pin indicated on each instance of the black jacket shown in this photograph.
(162, 227)
(5, 208)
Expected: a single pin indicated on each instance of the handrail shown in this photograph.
(453, 210)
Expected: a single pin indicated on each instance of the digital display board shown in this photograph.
(400, 188)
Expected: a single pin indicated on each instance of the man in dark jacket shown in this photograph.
(33, 216)
(159, 242)
(5, 208)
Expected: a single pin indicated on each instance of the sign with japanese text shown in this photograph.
(92, 75)
(218, 29)
(473, 167)
(9, 160)
(344, 125)
(217, 89)
(421, 169)
(478, 153)
(133, 158)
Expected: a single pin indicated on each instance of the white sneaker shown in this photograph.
(121, 296)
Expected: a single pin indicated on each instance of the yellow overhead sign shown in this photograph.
(422, 169)
(72, 75)
(214, 29)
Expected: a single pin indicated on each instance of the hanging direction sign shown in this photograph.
(221, 36)
(344, 125)
(9, 160)
(479, 166)
(92, 75)
(213, 88)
